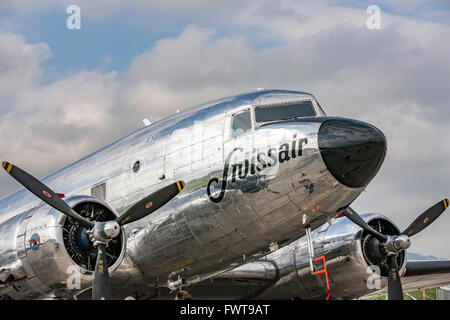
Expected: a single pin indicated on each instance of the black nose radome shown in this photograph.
(353, 151)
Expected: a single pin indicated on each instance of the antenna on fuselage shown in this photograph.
(146, 122)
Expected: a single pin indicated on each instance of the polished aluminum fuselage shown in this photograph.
(192, 236)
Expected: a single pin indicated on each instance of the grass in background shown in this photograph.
(430, 294)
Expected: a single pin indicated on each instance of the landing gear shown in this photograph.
(310, 248)
(177, 286)
(312, 259)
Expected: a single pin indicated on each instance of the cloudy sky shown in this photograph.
(65, 93)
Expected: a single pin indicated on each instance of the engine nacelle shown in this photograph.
(46, 255)
(349, 260)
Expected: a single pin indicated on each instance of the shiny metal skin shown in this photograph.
(349, 272)
(285, 273)
(42, 269)
(192, 237)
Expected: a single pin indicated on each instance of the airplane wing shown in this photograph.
(426, 274)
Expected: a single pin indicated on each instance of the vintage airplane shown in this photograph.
(202, 192)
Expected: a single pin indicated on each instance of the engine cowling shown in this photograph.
(46, 255)
(350, 261)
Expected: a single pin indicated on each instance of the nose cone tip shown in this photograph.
(353, 151)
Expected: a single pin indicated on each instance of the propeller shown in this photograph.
(356, 218)
(392, 246)
(44, 193)
(151, 203)
(100, 233)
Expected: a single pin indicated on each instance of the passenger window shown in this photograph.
(241, 124)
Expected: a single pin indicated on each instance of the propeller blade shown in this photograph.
(151, 203)
(356, 218)
(426, 218)
(44, 193)
(395, 291)
(101, 287)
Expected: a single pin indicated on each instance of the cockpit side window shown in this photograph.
(320, 108)
(283, 112)
(242, 123)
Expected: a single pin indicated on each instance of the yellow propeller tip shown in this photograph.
(7, 166)
(180, 185)
(446, 203)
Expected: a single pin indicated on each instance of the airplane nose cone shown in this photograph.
(353, 151)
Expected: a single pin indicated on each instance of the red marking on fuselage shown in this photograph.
(324, 270)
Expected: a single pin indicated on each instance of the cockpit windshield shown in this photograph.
(283, 112)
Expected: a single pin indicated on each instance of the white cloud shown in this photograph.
(44, 120)
(19, 65)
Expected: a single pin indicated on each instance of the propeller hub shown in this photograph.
(103, 232)
(111, 229)
(402, 242)
(395, 244)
